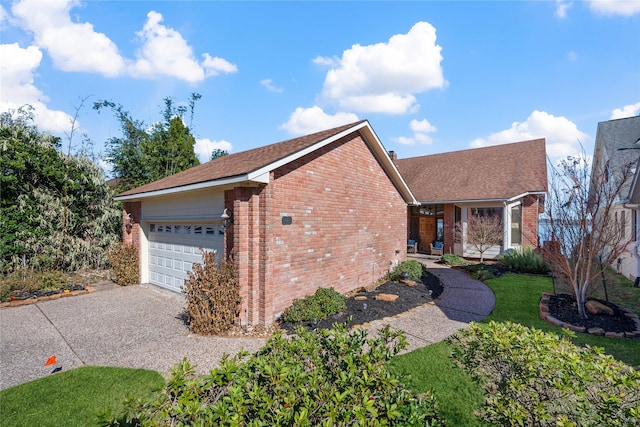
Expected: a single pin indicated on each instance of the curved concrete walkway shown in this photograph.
(139, 327)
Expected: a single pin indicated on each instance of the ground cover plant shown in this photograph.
(517, 298)
(326, 377)
(75, 397)
(451, 259)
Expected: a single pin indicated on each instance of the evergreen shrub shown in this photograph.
(324, 303)
(534, 378)
(524, 260)
(327, 377)
(412, 267)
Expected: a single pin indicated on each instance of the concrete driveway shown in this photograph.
(136, 326)
(140, 327)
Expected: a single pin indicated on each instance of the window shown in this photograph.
(516, 225)
(623, 224)
(486, 212)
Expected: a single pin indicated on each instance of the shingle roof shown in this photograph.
(498, 172)
(239, 163)
(618, 142)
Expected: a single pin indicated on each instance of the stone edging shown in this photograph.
(17, 303)
(543, 308)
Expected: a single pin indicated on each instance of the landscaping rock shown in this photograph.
(409, 282)
(360, 298)
(614, 334)
(596, 331)
(595, 307)
(386, 297)
(574, 328)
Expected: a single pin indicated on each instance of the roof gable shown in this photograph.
(499, 172)
(254, 165)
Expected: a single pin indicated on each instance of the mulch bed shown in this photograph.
(22, 297)
(564, 307)
(359, 311)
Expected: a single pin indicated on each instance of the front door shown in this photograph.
(427, 232)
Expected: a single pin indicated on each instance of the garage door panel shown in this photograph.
(174, 248)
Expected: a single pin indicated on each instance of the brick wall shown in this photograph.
(131, 237)
(346, 222)
(530, 210)
(332, 219)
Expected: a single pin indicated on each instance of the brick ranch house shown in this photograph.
(508, 180)
(323, 210)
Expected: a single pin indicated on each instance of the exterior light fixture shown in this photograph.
(129, 221)
(227, 218)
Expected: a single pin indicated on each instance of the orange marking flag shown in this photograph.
(51, 361)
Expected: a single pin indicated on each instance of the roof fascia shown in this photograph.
(385, 160)
(181, 189)
(528, 193)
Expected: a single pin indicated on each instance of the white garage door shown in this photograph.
(174, 248)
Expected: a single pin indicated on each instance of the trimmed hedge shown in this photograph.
(324, 303)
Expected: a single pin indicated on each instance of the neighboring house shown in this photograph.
(507, 180)
(618, 146)
(322, 210)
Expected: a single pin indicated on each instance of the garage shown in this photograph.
(174, 248)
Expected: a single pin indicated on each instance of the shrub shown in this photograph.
(537, 378)
(213, 295)
(124, 264)
(324, 303)
(412, 267)
(328, 377)
(451, 259)
(524, 260)
(482, 272)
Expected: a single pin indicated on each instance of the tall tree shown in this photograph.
(56, 209)
(144, 154)
(584, 235)
(218, 152)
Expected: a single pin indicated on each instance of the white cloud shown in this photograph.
(72, 46)
(205, 146)
(615, 7)
(76, 46)
(165, 52)
(572, 56)
(561, 8)
(308, 120)
(626, 111)
(268, 84)
(563, 138)
(421, 130)
(17, 82)
(384, 77)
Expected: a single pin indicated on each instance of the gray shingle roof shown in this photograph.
(498, 172)
(618, 142)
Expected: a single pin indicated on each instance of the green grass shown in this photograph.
(517, 298)
(73, 398)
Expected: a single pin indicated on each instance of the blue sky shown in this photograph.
(430, 76)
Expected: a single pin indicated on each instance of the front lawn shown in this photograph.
(75, 397)
(517, 298)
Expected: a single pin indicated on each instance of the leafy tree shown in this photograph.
(218, 152)
(56, 210)
(481, 232)
(144, 154)
(584, 233)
